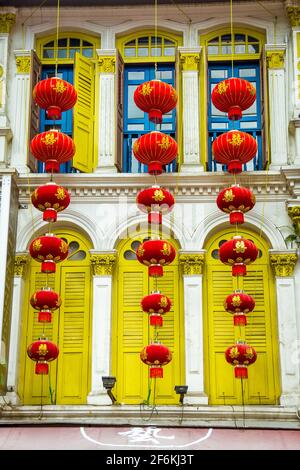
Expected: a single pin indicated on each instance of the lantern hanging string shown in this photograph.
(232, 37)
(41, 409)
(243, 401)
(57, 34)
(155, 33)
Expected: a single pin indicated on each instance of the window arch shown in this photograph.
(68, 45)
(147, 47)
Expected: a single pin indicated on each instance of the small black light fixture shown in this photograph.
(181, 390)
(108, 384)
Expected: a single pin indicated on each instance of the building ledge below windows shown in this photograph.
(249, 416)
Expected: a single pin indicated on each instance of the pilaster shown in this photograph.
(189, 63)
(102, 267)
(192, 266)
(107, 127)
(21, 111)
(7, 20)
(275, 58)
(283, 264)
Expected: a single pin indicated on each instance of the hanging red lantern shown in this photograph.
(156, 304)
(155, 149)
(155, 201)
(155, 254)
(239, 304)
(50, 199)
(48, 250)
(45, 301)
(52, 147)
(234, 148)
(55, 95)
(233, 96)
(42, 351)
(156, 355)
(156, 98)
(236, 200)
(240, 355)
(238, 252)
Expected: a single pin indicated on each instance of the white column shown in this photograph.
(297, 142)
(101, 336)
(7, 20)
(189, 60)
(106, 106)
(193, 315)
(277, 105)
(289, 344)
(21, 112)
(15, 329)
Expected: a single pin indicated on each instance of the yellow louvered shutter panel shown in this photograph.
(222, 385)
(132, 382)
(37, 385)
(260, 388)
(72, 373)
(84, 82)
(169, 336)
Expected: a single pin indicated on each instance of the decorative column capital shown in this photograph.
(283, 263)
(190, 61)
(292, 9)
(7, 20)
(275, 56)
(22, 61)
(294, 214)
(107, 64)
(21, 261)
(191, 263)
(103, 263)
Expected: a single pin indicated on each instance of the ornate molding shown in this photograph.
(7, 20)
(190, 61)
(102, 264)
(275, 59)
(191, 263)
(23, 64)
(294, 214)
(293, 12)
(283, 264)
(21, 261)
(107, 64)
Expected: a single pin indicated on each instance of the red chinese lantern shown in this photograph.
(50, 199)
(233, 96)
(155, 201)
(45, 301)
(52, 147)
(238, 252)
(55, 95)
(156, 98)
(156, 304)
(156, 355)
(155, 254)
(48, 250)
(42, 351)
(240, 355)
(234, 148)
(236, 200)
(239, 304)
(155, 149)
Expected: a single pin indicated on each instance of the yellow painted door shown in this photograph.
(68, 380)
(131, 330)
(262, 386)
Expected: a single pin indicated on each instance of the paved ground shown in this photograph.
(145, 438)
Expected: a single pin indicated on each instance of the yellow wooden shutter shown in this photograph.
(34, 115)
(84, 82)
(132, 331)
(169, 335)
(119, 90)
(36, 386)
(72, 373)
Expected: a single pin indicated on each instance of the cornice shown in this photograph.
(90, 187)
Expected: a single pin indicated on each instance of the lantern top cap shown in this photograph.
(155, 292)
(49, 235)
(48, 289)
(237, 237)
